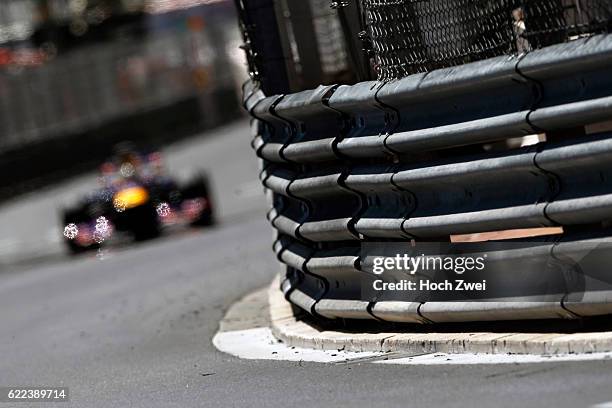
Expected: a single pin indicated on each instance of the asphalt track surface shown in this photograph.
(134, 328)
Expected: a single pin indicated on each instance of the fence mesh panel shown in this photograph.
(411, 36)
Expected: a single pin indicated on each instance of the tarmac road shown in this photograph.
(134, 328)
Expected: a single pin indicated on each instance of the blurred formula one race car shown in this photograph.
(136, 197)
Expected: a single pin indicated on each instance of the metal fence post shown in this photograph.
(263, 44)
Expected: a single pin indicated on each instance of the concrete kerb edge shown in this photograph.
(297, 333)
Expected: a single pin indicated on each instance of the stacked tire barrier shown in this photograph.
(419, 159)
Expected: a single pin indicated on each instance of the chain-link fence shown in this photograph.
(410, 36)
(402, 37)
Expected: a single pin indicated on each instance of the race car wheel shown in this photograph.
(75, 248)
(143, 223)
(199, 189)
(76, 216)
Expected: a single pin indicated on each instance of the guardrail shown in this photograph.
(84, 89)
(61, 113)
(432, 156)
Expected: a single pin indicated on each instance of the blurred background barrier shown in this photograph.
(498, 130)
(77, 76)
